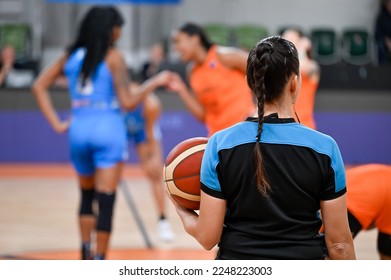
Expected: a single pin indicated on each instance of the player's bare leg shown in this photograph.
(151, 159)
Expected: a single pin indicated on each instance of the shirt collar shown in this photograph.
(272, 118)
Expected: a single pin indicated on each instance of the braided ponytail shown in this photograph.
(260, 62)
(270, 64)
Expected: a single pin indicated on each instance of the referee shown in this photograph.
(265, 180)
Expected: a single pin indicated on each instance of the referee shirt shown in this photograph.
(303, 167)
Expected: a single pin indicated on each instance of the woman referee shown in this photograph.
(265, 180)
(98, 86)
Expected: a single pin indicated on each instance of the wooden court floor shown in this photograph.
(38, 219)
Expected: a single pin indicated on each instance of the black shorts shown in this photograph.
(354, 224)
(384, 243)
(383, 239)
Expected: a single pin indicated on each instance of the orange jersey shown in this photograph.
(223, 93)
(306, 101)
(369, 195)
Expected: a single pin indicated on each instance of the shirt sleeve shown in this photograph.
(210, 183)
(335, 183)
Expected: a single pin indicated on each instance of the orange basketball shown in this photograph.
(182, 172)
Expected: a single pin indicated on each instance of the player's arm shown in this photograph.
(41, 91)
(338, 237)
(308, 66)
(311, 69)
(233, 58)
(189, 99)
(128, 100)
(206, 227)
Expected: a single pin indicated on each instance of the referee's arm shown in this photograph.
(338, 237)
(207, 226)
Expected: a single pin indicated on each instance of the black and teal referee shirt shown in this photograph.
(303, 167)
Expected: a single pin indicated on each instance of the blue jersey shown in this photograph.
(97, 134)
(97, 94)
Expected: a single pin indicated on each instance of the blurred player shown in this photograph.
(310, 75)
(98, 86)
(369, 203)
(217, 77)
(143, 130)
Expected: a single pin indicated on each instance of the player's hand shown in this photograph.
(163, 78)
(177, 84)
(62, 127)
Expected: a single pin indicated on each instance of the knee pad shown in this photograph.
(87, 199)
(106, 205)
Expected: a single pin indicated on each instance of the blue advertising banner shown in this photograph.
(148, 2)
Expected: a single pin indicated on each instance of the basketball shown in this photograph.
(182, 172)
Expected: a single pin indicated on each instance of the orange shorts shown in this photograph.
(369, 195)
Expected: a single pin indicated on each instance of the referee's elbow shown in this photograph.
(341, 251)
(208, 246)
(207, 243)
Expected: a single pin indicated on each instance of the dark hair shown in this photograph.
(192, 29)
(271, 63)
(95, 35)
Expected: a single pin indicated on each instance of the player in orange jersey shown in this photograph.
(217, 77)
(310, 76)
(369, 203)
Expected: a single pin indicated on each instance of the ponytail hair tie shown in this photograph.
(258, 137)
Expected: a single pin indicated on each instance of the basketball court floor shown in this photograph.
(38, 219)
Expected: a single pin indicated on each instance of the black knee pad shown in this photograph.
(87, 199)
(106, 205)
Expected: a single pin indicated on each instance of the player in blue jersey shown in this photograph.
(98, 87)
(265, 180)
(144, 131)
